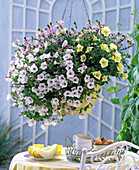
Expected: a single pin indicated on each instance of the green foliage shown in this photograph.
(9, 146)
(130, 104)
(115, 100)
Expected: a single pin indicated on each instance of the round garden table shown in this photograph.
(22, 161)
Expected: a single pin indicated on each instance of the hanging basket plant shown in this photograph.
(61, 72)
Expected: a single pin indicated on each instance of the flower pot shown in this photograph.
(85, 103)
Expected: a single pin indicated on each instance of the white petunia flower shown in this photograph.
(31, 122)
(57, 86)
(82, 116)
(70, 103)
(59, 117)
(76, 103)
(69, 62)
(42, 86)
(92, 80)
(33, 89)
(23, 80)
(80, 89)
(63, 100)
(46, 77)
(15, 73)
(63, 84)
(75, 94)
(87, 78)
(43, 56)
(38, 92)
(33, 68)
(67, 93)
(43, 65)
(48, 122)
(29, 100)
(44, 127)
(67, 56)
(48, 55)
(61, 78)
(90, 85)
(70, 73)
(44, 108)
(40, 77)
(100, 98)
(30, 57)
(69, 67)
(30, 108)
(67, 109)
(75, 80)
(55, 101)
(22, 73)
(88, 99)
(35, 107)
(81, 70)
(69, 51)
(55, 122)
(45, 45)
(55, 112)
(41, 95)
(65, 43)
(50, 82)
(41, 113)
(56, 55)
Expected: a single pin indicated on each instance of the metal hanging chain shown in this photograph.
(85, 9)
(65, 10)
(70, 14)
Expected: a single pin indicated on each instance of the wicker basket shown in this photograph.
(74, 155)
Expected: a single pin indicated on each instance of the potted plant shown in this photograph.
(61, 72)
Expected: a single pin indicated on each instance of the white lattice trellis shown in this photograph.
(49, 11)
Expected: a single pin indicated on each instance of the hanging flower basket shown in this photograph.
(61, 72)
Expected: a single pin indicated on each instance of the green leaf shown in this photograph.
(135, 137)
(136, 74)
(110, 89)
(116, 89)
(136, 125)
(118, 24)
(125, 98)
(127, 114)
(135, 59)
(124, 108)
(115, 100)
(134, 12)
(127, 136)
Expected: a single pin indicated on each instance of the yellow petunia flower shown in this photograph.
(117, 57)
(104, 78)
(95, 38)
(77, 39)
(88, 49)
(104, 47)
(106, 31)
(103, 62)
(83, 58)
(124, 76)
(112, 58)
(97, 74)
(120, 68)
(113, 46)
(63, 30)
(79, 48)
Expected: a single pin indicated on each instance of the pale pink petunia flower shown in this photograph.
(64, 44)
